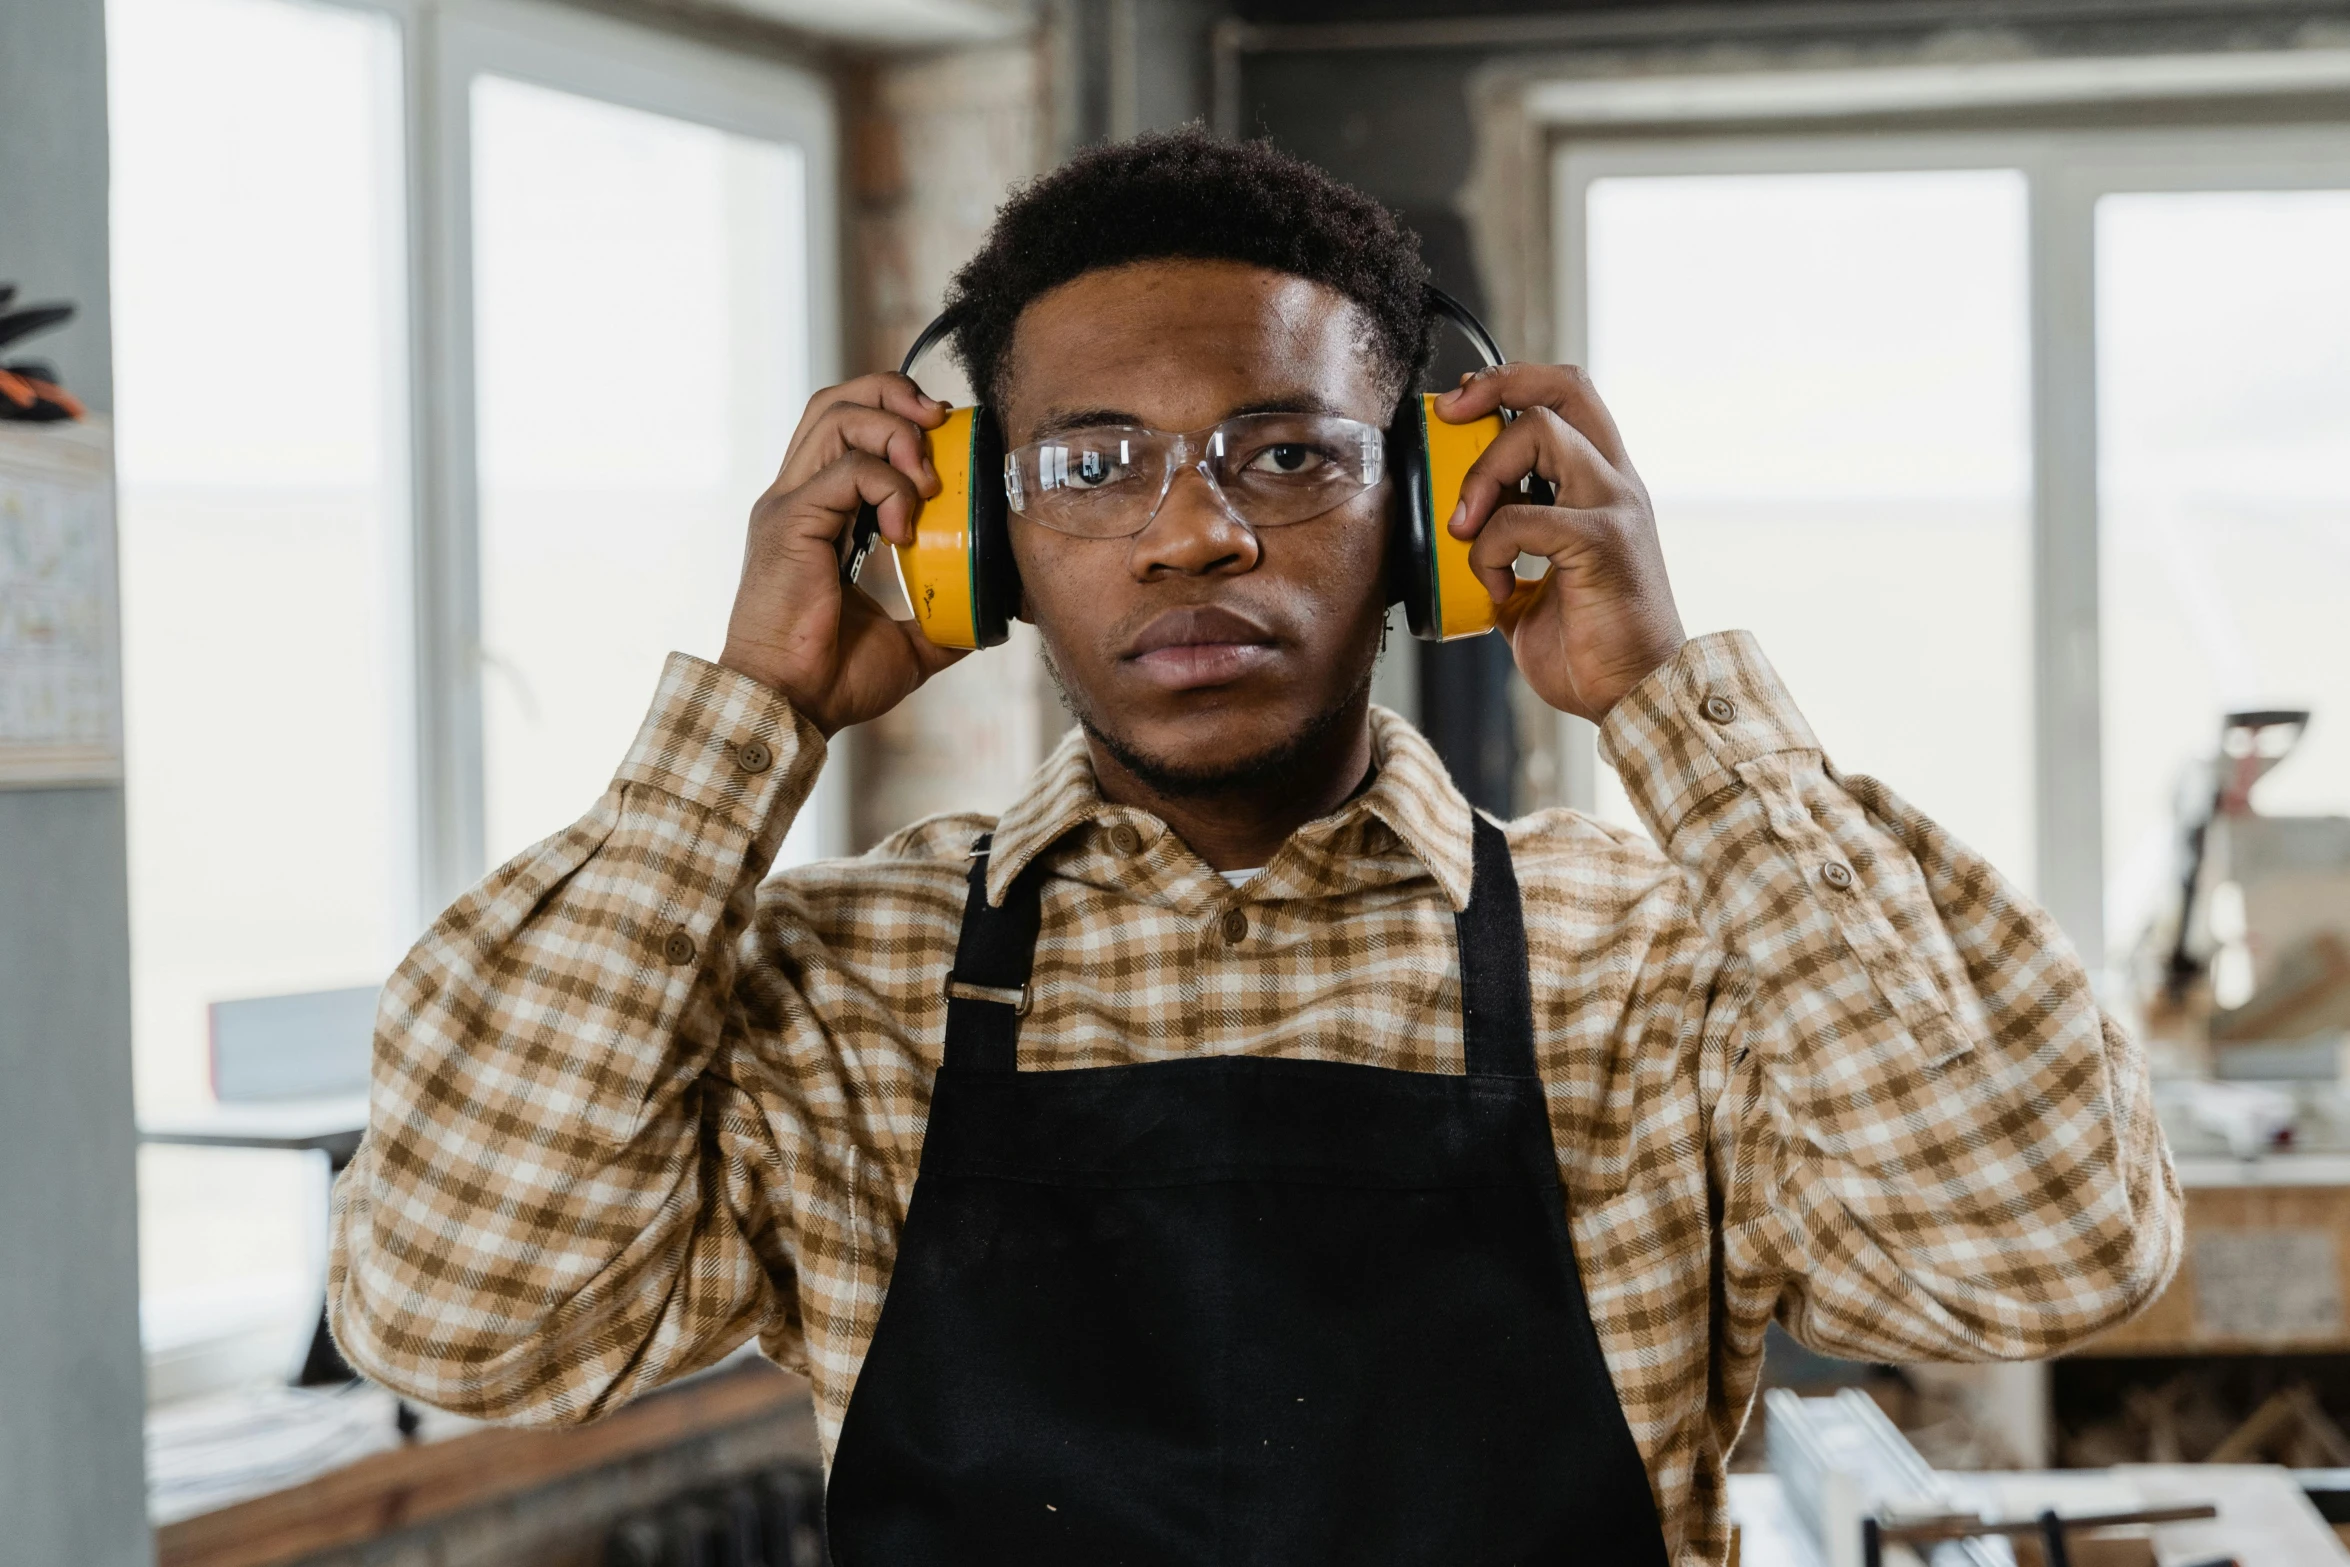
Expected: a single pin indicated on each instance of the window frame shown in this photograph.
(444, 44)
(431, 564)
(2065, 171)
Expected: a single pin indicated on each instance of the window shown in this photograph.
(2223, 372)
(1824, 379)
(434, 439)
(638, 307)
(2022, 452)
(263, 512)
(640, 237)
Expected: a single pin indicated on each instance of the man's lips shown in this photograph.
(1206, 645)
(1202, 624)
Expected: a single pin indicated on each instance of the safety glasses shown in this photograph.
(1267, 470)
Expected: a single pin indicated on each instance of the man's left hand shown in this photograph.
(1603, 618)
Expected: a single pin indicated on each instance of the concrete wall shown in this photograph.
(71, 1485)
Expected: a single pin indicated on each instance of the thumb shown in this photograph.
(929, 657)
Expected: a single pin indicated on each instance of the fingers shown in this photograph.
(846, 427)
(822, 506)
(1547, 531)
(864, 620)
(1523, 600)
(889, 392)
(883, 389)
(1539, 442)
(928, 655)
(1563, 389)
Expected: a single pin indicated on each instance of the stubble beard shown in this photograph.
(1287, 762)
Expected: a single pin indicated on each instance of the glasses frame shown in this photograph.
(1196, 451)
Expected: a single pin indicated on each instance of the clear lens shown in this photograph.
(1277, 468)
(1090, 461)
(1269, 469)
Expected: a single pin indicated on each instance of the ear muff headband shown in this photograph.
(964, 587)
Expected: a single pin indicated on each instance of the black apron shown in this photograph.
(1237, 1310)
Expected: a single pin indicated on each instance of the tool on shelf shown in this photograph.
(29, 389)
(2250, 745)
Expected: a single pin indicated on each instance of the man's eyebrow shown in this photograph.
(1061, 421)
(1293, 403)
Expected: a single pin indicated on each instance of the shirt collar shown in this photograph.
(1412, 794)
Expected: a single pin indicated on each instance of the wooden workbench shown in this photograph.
(2267, 1264)
(754, 1409)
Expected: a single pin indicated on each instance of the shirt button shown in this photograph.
(1125, 839)
(1836, 874)
(678, 947)
(1235, 927)
(754, 756)
(1720, 709)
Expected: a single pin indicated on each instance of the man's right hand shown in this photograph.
(833, 651)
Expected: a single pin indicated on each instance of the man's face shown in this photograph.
(1200, 650)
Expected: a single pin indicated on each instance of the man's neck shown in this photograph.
(1239, 828)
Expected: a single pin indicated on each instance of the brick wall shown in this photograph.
(933, 144)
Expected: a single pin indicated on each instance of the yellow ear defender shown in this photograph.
(960, 578)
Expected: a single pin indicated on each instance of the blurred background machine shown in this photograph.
(2255, 982)
(2242, 987)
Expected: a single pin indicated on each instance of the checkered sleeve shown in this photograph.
(546, 1215)
(1930, 1143)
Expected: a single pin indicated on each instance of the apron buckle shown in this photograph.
(1001, 995)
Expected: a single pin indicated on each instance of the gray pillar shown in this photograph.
(71, 1400)
(1124, 66)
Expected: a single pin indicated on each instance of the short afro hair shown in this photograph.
(1185, 194)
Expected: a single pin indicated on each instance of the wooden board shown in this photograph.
(2267, 1268)
(414, 1485)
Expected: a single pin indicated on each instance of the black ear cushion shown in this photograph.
(995, 576)
(1411, 539)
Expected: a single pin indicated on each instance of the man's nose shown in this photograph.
(1193, 535)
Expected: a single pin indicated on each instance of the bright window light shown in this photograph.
(258, 337)
(2223, 388)
(1824, 380)
(640, 318)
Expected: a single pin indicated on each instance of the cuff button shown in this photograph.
(1836, 874)
(754, 756)
(1125, 839)
(1720, 709)
(678, 948)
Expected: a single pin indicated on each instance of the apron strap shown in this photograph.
(1497, 996)
(987, 989)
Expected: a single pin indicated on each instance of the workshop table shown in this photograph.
(2264, 1519)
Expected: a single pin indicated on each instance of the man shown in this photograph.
(1259, 1211)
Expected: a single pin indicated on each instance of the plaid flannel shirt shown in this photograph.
(1812, 1060)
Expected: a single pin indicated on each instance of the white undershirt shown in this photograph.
(1240, 878)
